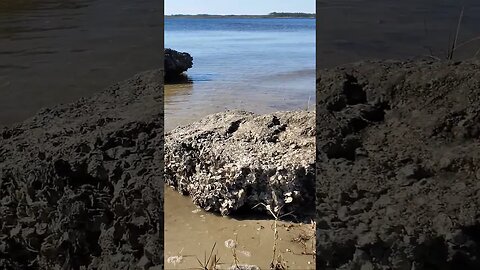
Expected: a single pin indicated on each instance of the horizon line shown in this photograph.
(209, 14)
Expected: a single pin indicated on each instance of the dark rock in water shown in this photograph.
(236, 160)
(81, 184)
(412, 199)
(176, 63)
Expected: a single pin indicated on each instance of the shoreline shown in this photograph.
(75, 169)
(233, 17)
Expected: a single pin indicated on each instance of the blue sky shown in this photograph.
(236, 7)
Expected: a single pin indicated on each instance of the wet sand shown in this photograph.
(56, 52)
(190, 232)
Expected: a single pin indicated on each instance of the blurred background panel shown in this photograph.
(351, 30)
(58, 51)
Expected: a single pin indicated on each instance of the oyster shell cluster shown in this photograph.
(233, 160)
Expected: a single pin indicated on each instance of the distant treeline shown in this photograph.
(291, 15)
(270, 15)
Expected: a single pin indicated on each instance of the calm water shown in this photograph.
(58, 51)
(259, 65)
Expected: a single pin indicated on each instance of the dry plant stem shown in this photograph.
(275, 231)
(452, 47)
(454, 44)
(275, 237)
(433, 57)
(476, 53)
(448, 46)
(314, 249)
(209, 264)
(467, 42)
(458, 27)
(234, 251)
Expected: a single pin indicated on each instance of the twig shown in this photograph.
(467, 42)
(276, 263)
(476, 53)
(454, 44)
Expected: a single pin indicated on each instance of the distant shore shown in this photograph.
(273, 15)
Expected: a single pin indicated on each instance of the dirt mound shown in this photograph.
(81, 186)
(398, 166)
(234, 160)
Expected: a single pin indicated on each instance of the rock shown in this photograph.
(410, 174)
(144, 263)
(367, 239)
(342, 213)
(233, 160)
(367, 266)
(176, 63)
(417, 187)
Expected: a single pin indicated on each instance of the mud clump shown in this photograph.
(233, 161)
(81, 184)
(398, 162)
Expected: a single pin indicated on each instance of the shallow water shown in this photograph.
(259, 65)
(58, 51)
(190, 232)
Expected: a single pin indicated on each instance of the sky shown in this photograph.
(237, 7)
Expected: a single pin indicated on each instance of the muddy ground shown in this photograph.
(81, 184)
(398, 166)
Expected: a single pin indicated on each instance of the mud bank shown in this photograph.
(398, 166)
(232, 161)
(81, 184)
